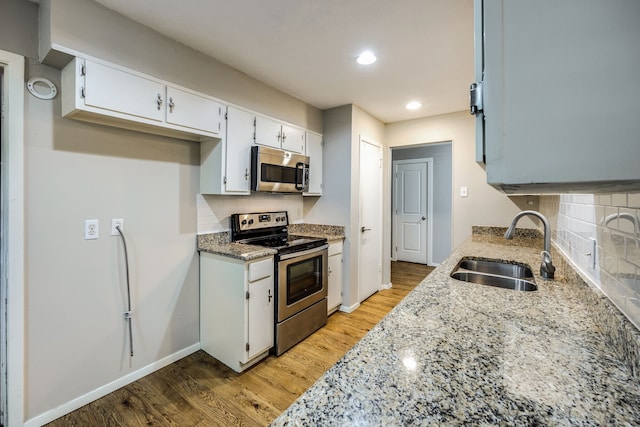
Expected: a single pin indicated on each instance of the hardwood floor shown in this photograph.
(200, 391)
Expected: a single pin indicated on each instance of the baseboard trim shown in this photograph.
(349, 309)
(102, 391)
(386, 286)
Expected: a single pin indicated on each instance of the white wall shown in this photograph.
(484, 205)
(609, 219)
(339, 204)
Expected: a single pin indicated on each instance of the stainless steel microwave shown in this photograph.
(278, 171)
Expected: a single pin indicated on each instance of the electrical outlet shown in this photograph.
(464, 192)
(114, 224)
(91, 229)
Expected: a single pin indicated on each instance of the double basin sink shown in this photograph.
(498, 273)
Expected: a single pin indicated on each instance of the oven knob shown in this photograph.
(244, 222)
(277, 219)
(250, 221)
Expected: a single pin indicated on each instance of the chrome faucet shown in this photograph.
(546, 268)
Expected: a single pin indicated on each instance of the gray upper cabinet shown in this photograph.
(560, 89)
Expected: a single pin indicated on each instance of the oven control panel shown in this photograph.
(255, 221)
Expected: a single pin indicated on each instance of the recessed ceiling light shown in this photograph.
(413, 105)
(366, 58)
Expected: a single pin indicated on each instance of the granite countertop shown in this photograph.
(456, 353)
(219, 243)
(329, 232)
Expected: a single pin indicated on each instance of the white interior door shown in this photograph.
(410, 210)
(370, 262)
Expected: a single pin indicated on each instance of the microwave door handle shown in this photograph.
(299, 167)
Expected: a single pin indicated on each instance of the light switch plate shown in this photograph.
(464, 192)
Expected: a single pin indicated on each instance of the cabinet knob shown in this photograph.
(171, 104)
(159, 102)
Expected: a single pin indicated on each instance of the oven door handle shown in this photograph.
(303, 253)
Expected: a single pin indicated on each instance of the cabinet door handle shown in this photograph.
(246, 174)
(171, 104)
(159, 102)
(269, 295)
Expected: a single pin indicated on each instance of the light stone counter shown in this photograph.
(329, 232)
(455, 353)
(218, 243)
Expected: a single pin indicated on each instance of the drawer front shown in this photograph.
(335, 247)
(260, 269)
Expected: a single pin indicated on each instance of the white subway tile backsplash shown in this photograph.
(214, 211)
(619, 199)
(633, 200)
(603, 199)
(614, 221)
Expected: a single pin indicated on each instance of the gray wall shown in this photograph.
(442, 192)
(76, 341)
(340, 202)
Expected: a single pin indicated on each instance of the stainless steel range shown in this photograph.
(300, 274)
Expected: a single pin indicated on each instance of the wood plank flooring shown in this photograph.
(200, 391)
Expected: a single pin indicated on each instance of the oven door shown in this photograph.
(302, 281)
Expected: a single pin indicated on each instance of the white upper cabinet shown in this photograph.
(193, 111)
(119, 92)
(560, 94)
(293, 139)
(267, 132)
(273, 133)
(313, 149)
(225, 164)
(106, 94)
(238, 140)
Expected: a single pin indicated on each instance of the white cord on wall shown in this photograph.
(127, 314)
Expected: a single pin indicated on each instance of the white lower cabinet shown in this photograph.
(236, 309)
(334, 291)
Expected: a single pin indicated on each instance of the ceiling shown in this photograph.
(307, 48)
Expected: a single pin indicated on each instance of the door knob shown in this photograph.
(424, 217)
(362, 229)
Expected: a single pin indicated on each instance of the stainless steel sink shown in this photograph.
(498, 273)
(500, 268)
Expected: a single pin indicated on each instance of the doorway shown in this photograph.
(12, 238)
(439, 200)
(412, 216)
(370, 219)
